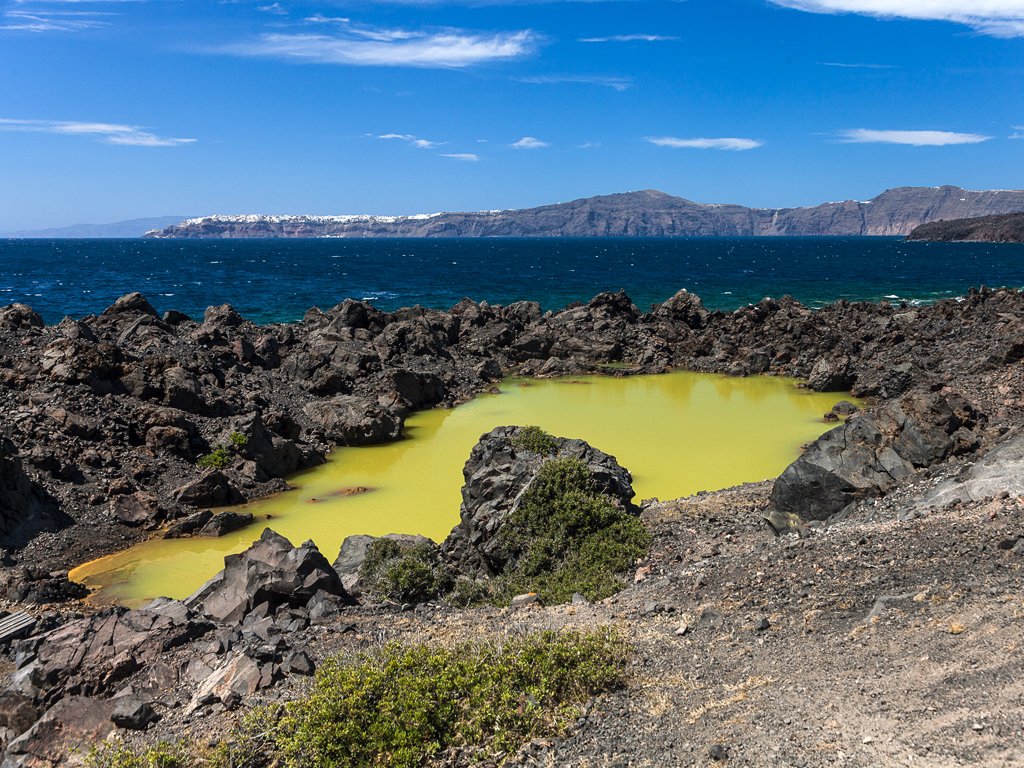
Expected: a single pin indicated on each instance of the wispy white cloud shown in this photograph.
(857, 66)
(618, 83)
(450, 48)
(735, 145)
(418, 143)
(275, 8)
(53, 21)
(1018, 132)
(319, 18)
(528, 142)
(589, 145)
(627, 39)
(999, 18)
(111, 133)
(910, 138)
(468, 157)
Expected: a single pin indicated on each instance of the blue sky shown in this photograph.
(118, 109)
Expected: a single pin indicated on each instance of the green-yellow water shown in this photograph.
(677, 433)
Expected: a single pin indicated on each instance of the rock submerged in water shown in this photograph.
(870, 454)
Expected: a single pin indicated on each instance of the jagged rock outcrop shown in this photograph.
(270, 572)
(870, 454)
(1007, 228)
(22, 502)
(1001, 470)
(496, 474)
(648, 213)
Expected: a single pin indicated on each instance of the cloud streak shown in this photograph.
(618, 83)
(627, 39)
(999, 18)
(447, 49)
(528, 142)
(910, 138)
(464, 156)
(735, 145)
(52, 21)
(418, 143)
(111, 133)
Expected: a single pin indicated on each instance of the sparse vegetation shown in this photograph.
(536, 440)
(565, 537)
(401, 705)
(223, 455)
(411, 575)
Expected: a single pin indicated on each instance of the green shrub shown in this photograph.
(120, 755)
(565, 537)
(405, 704)
(536, 440)
(412, 575)
(218, 459)
(238, 440)
(468, 594)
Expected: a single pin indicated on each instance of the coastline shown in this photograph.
(131, 401)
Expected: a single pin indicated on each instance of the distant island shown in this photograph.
(131, 228)
(1006, 228)
(649, 213)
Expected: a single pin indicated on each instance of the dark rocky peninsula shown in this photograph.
(648, 213)
(1005, 228)
(889, 568)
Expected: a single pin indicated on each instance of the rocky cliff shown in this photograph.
(1007, 228)
(633, 214)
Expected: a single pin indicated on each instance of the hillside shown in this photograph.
(131, 228)
(1007, 228)
(648, 213)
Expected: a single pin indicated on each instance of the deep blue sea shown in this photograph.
(278, 280)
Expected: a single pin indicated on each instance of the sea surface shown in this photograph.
(278, 280)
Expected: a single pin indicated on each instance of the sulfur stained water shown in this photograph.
(677, 433)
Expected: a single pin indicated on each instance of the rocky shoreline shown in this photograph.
(106, 417)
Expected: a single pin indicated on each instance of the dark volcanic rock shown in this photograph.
(67, 726)
(349, 420)
(213, 489)
(1007, 228)
(496, 475)
(869, 455)
(224, 522)
(22, 502)
(271, 571)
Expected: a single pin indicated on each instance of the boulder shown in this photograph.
(189, 525)
(138, 508)
(350, 420)
(223, 316)
(830, 375)
(16, 317)
(350, 559)
(273, 454)
(869, 455)
(93, 654)
(271, 571)
(999, 470)
(496, 475)
(66, 727)
(212, 489)
(225, 522)
(17, 712)
(132, 713)
(131, 304)
(21, 500)
(685, 309)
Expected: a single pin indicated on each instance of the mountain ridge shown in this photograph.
(129, 228)
(644, 213)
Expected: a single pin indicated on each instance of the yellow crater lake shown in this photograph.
(677, 433)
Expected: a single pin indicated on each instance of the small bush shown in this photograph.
(413, 575)
(536, 440)
(468, 594)
(120, 755)
(565, 537)
(220, 458)
(238, 440)
(406, 704)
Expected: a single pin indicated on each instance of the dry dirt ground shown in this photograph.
(887, 642)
